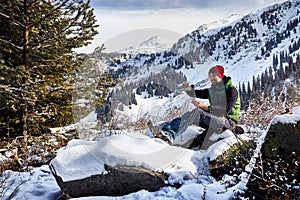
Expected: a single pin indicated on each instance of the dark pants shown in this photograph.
(197, 117)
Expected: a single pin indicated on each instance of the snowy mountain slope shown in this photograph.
(245, 46)
(154, 44)
(219, 23)
(158, 43)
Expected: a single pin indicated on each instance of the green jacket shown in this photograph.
(224, 99)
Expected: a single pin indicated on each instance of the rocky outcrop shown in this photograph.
(118, 181)
(277, 173)
(120, 164)
(233, 161)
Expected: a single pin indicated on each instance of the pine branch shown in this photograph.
(13, 21)
(49, 14)
(11, 44)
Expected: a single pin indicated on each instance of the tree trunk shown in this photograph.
(25, 55)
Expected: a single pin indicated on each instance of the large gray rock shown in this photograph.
(136, 162)
(119, 181)
(277, 174)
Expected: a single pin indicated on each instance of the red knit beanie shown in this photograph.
(218, 70)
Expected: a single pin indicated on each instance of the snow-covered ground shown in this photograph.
(38, 184)
(122, 149)
(81, 159)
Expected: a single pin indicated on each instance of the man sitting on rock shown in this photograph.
(222, 113)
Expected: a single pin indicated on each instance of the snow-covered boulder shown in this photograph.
(121, 164)
(277, 174)
(130, 162)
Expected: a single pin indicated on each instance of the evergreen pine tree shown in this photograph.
(38, 38)
(249, 93)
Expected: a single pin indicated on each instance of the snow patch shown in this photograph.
(129, 149)
(296, 110)
(34, 185)
(286, 119)
(223, 145)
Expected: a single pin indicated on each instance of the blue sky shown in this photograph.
(117, 17)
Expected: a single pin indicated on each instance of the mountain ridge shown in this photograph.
(245, 45)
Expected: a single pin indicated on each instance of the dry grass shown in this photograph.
(261, 111)
(22, 153)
